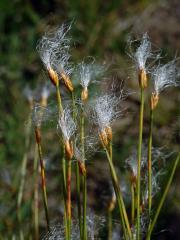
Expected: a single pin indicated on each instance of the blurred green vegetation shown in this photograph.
(101, 29)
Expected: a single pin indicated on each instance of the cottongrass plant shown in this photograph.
(105, 112)
(163, 76)
(142, 54)
(68, 127)
(88, 72)
(38, 117)
(73, 121)
(85, 73)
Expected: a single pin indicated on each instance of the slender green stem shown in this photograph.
(84, 207)
(110, 150)
(139, 163)
(84, 229)
(43, 180)
(36, 195)
(78, 197)
(64, 175)
(23, 172)
(78, 192)
(132, 204)
(36, 211)
(69, 199)
(150, 163)
(163, 197)
(64, 169)
(109, 225)
(122, 209)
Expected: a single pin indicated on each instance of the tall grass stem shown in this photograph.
(36, 195)
(163, 197)
(43, 181)
(139, 163)
(150, 163)
(84, 231)
(122, 209)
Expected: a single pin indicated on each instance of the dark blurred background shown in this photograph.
(100, 29)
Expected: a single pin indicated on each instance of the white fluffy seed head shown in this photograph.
(105, 110)
(53, 49)
(143, 52)
(165, 76)
(87, 72)
(66, 124)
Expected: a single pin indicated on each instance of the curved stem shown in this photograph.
(36, 195)
(122, 209)
(163, 197)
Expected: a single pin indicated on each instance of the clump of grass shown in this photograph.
(74, 117)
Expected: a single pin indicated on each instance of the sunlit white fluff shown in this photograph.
(66, 124)
(165, 76)
(53, 49)
(89, 72)
(105, 110)
(143, 52)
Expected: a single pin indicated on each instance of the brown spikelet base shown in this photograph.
(82, 168)
(67, 82)
(103, 137)
(53, 76)
(142, 79)
(154, 100)
(69, 149)
(84, 94)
